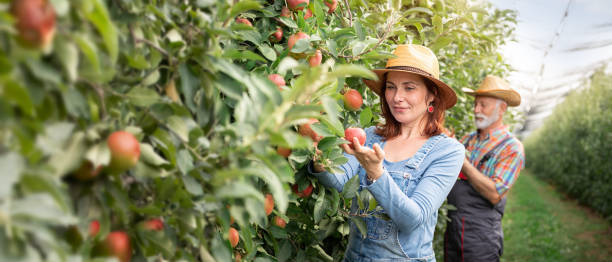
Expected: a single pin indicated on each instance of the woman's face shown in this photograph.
(407, 96)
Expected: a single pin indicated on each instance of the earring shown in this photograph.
(430, 109)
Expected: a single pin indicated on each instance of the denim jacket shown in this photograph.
(409, 191)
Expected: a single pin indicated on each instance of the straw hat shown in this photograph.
(494, 86)
(419, 60)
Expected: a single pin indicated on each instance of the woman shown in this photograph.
(407, 164)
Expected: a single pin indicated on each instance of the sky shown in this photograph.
(588, 23)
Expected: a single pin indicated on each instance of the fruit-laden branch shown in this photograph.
(380, 40)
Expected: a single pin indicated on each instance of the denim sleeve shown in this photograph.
(409, 212)
(337, 181)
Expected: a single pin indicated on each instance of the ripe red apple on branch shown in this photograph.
(125, 151)
(233, 236)
(269, 204)
(285, 12)
(277, 36)
(306, 130)
(277, 79)
(283, 151)
(242, 20)
(297, 4)
(332, 4)
(355, 132)
(315, 60)
(352, 100)
(304, 193)
(295, 37)
(35, 22)
(94, 228)
(154, 224)
(116, 244)
(307, 14)
(280, 222)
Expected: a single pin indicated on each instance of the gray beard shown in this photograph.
(487, 120)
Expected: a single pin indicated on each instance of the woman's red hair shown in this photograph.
(434, 121)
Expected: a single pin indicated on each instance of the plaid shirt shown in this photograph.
(506, 161)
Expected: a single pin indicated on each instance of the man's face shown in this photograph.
(486, 111)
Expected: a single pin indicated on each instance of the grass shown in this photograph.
(541, 224)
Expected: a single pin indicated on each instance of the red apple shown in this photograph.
(295, 37)
(280, 222)
(285, 12)
(332, 4)
(125, 151)
(315, 60)
(297, 4)
(87, 171)
(353, 100)
(242, 20)
(94, 228)
(233, 236)
(269, 204)
(277, 79)
(154, 224)
(35, 22)
(353, 132)
(306, 130)
(307, 14)
(117, 244)
(304, 193)
(277, 36)
(283, 151)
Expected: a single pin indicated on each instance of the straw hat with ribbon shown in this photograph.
(494, 86)
(419, 60)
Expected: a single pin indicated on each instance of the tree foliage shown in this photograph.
(191, 84)
(572, 148)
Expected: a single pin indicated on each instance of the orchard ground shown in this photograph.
(542, 224)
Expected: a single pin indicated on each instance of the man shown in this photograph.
(494, 158)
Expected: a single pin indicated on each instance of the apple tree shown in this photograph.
(180, 130)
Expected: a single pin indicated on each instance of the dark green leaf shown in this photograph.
(350, 188)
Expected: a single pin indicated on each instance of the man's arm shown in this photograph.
(483, 184)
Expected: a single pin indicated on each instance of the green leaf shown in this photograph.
(42, 207)
(372, 203)
(54, 137)
(189, 86)
(239, 189)
(90, 51)
(18, 94)
(142, 96)
(441, 43)
(68, 55)
(12, 164)
(243, 6)
(184, 161)
(69, 158)
(192, 186)
(361, 225)
(365, 117)
(274, 184)
(417, 10)
(320, 207)
(288, 22)
(359, 30)
(246, 54)
(75, 103)
(350, 188)
(358, 47)
(437, 23)
(149, 155)
(333, 47)
(99, 155)
(267, 51)
(353, 70)
(179, 127)
(100, 18)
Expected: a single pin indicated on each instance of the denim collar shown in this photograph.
(420, 155)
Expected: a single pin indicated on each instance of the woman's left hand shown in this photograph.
(371, 159)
